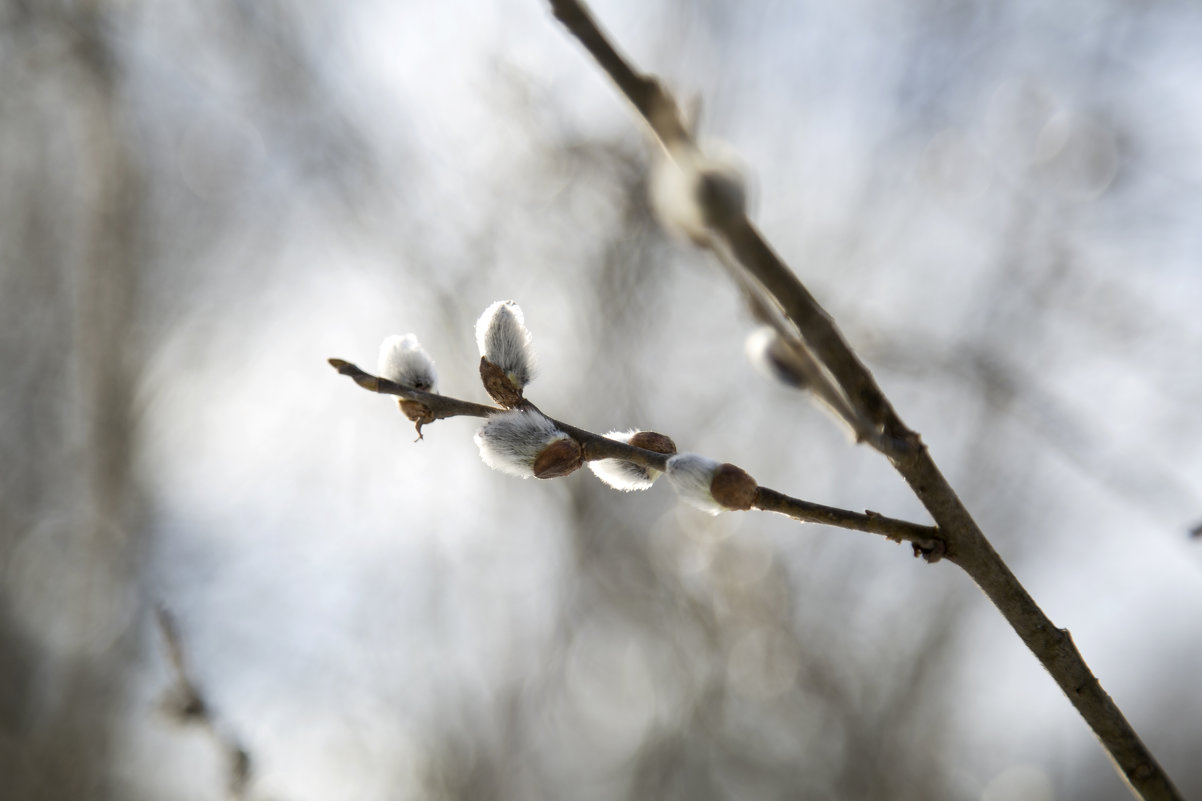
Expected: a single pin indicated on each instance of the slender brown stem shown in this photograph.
(440, 406)
(926, 539)
(971, 551)
(965, 544)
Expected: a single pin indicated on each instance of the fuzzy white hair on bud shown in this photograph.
(692, 475)
(692, 191)
(511, 441)
(504, 340)
(403, 360)
(621, 474)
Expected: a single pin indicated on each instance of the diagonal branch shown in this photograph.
(926, 540)
(739, 237)
(966, 545)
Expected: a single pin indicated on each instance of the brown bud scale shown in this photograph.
(733, 487)
(651, 441)
(560, 458)
(416, 411)
(498, 386)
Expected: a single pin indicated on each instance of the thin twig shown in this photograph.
(927, 540)
(440, 406)
(966, 545)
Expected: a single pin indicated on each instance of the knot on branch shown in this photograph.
(931, 552)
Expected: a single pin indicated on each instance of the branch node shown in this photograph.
(418, 412)
(932, 551)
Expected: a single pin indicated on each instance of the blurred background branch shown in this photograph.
(186, 704)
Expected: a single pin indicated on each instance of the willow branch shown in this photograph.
(740, 237)
(926, 540)
(966, 545)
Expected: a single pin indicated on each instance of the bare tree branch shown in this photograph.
(966, 544)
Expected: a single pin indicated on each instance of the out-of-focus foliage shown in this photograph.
(200, 202)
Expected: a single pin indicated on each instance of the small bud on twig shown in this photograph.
(628, 476)
(710, 486)
(498, 385)
(403, 360)
(733, 487)
(772, 357)
(504, 343)
(692, 192)
(526, 444)
(562, 457)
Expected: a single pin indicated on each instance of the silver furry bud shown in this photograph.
(504, 341)
(403, 361)
(512, 442)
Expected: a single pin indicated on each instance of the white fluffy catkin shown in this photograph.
(621, 474)
(691, 475)
(511, 441)
(503, 339)
(403, 360)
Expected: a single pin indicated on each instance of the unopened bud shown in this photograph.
(692, 192)
(709, 485)
(628, 476)
(562, 457)
(498, 385)
(733, 487)
(773, 357)
(652, 441)
(404, 361)
(527, 444)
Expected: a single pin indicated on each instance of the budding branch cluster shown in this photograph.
(518, 439)
(702, 197)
